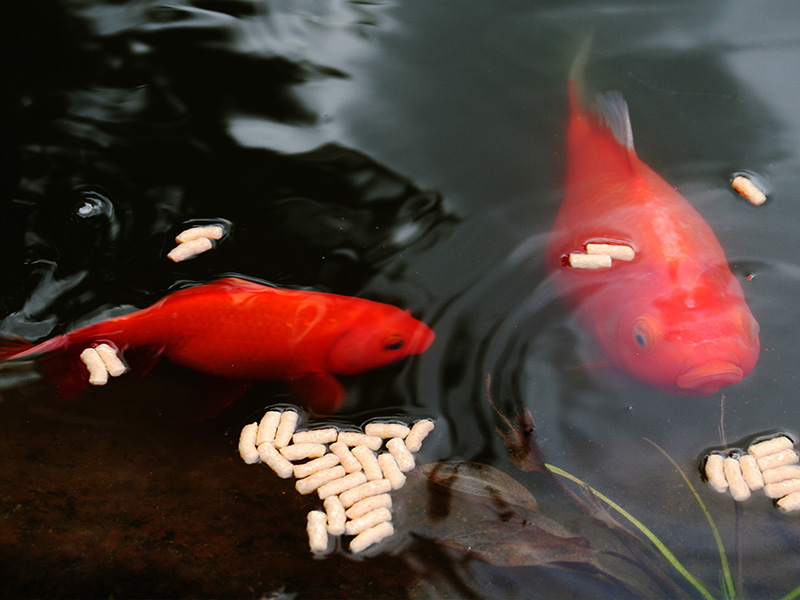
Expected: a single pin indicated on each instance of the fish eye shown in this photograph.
(643, 335)
(395, 342)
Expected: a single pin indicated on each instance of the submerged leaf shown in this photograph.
(519, 545)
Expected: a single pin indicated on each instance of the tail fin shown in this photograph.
(576, 73)
(11, 346)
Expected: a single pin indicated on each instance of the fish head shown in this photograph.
(690, 344)
(378, 339)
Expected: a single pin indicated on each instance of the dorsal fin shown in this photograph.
(611, 110)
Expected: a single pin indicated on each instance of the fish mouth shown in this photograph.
(422, 339)
(710, 376)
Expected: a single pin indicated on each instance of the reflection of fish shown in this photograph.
(674, 316)
(239, 329)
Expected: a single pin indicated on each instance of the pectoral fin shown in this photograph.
(320, 392)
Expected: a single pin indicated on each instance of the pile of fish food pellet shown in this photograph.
(770, 465)
(352, 472)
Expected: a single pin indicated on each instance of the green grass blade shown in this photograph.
(723, 557)
(647, 533)
(792, 595)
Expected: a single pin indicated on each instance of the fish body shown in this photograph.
(239, 329)
(675, 316)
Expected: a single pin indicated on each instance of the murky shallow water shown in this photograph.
(411, 154)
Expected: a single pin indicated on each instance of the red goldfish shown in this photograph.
(239, 329)
(674, 316)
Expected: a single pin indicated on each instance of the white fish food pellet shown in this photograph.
(316, 436)
(387, 430)
(781, 473)
(368, 462)
(391, 471)
(342, 484)
(782, 488)
(783, 457)
(738, 487)
(336, 515)
(366, 505)
(371, 536)
(268, 427)
(589, 261)
(790, 502)
(98, 374)
(353, 438)
(214, 232)
(749, 190)
(371, 488)
(751, 473)
(189, 249)
(715, 473)
(372, 518)
(113, 364)
(303, 451)
(317, 529)
(770, 446)
(349, 462)
(247, 444)
(286, 427)
(404, 458)
(312, 466)
(272, 458)
(615, 251)
(312, 482)
(419, 431)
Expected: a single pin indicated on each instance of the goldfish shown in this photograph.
(238, 329)
(672, 314)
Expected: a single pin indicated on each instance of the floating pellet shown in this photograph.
(391, 471)
(214, 232)
(98, 374)
(247, 443)
(371, 488)
(286, 428)
(770, 446)
(589, 261)
(366, 505)
(349, 462)
(273, 459)
(312, 466)
(715, 472)
(790, 502)
(781, 473)
(749, 190)
(615, 251)
(387, 430)
(419, 431)
(751, 472)
(738, 487)
(784, 457)
(368, 461)
(336, 516)
(372, 518)
(354, 438)
(404, 458)
(189, 249)
(302, 451)
(782, 488)
(371, 536)
(316, 436)
(113, 364)
(337, 486)
(317, 529)
(313, 481)
(268, 426)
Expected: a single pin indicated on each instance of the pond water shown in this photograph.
(411, 153)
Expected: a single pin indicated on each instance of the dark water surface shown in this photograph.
(410, 153)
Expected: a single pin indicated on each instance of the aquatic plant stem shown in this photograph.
(792, 594)
(641, 527)
(723, 557)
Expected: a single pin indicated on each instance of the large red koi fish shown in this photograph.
(239, 329)
(673, 316)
